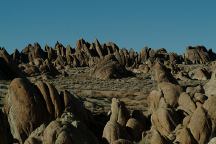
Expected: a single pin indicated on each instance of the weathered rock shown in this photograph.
(182, 76)
(186, 104)
(210, 107)
(32, 52)
(163, 121)
(98, 48)
(113, 131)
(192, 90)
(200, 74)
(36, 137)
(212, 141)
(174, 58)
(56, 100)
(154, 99)
(108, 68)
(60, 49)
(199, 97)
(144, 68)
(25, 108)
(64, 130)
(116, 128)
(197, 55)
(75, 105)
(60, 61)
(157, 138)
(144, 54)
(16, 57)
(135, 129)
(45, 91)
(210, 87)
(184, 136)
(8, 69)
(51, 54)
(162, 74)
(171, 92)
(28, 106)
(200, 126)
(48, 68)
(31, 70)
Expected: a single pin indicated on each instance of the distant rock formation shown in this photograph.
(8, 69)
(33, 60)
(198, 55)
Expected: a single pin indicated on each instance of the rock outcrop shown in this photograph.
(210, 87)
(198, 55)
(64, 130)
(108, 68)
(8, 69)
(115, 128)
(29, 105)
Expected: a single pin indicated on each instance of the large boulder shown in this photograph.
(116, 127)
(184, 136)
(210, 86)
(156, 138)
(171, 92)
(162, 74)
(25, 108)
(199, 74)
(197, 55)
(210, 107)
(164, 122)
(108, 68)
(155, 101)
(64, 130)
(186, 103)
(200, 126)
(29, 105)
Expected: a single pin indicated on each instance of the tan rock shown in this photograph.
(25, 108)
(210, 107)
(113, 131)
(200, 126)
(171, 92)
(210, 87)
(184, 136)
(56, 100)
(186, 104)
(163, 121)
(108, 68)
(135, 129)
(116, 128)
(157, 138)
(154, 100)
(162, 74)
(200, 74)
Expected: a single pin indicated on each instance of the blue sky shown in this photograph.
(131, 24)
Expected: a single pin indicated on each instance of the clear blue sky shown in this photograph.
(172, 24)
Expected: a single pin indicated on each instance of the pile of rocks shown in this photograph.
(38, 113)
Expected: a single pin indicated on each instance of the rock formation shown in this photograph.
(108, 68)
(29, 105)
